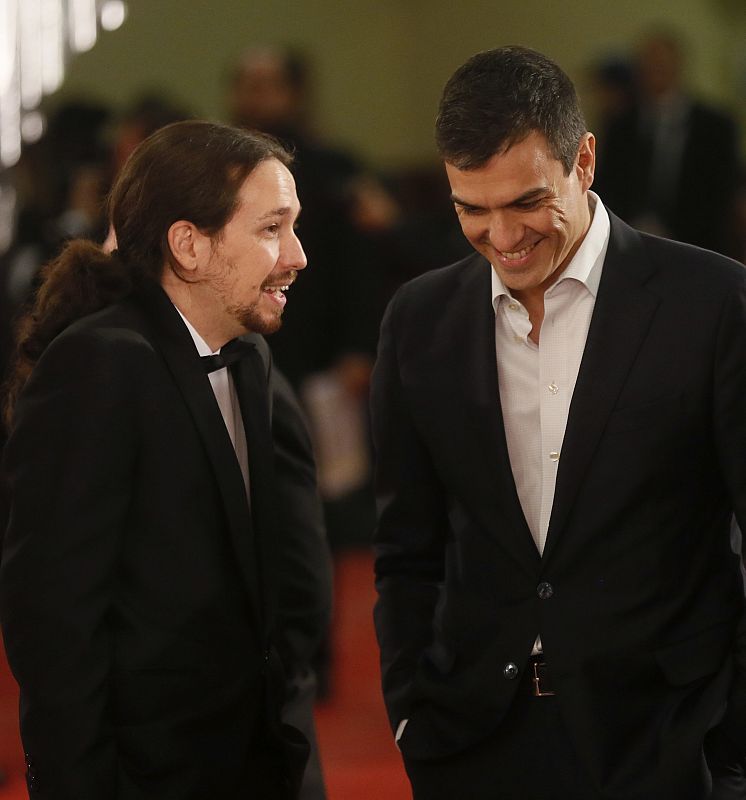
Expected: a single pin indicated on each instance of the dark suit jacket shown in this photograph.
(304, 575)
(644, 627)
(137, 586)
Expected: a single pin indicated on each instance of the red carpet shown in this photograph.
(359, 757)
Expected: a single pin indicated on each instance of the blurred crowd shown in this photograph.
(364, 232)
(668, 162)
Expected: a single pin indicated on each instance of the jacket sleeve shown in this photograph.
(69, 462)
(410, 537)
(729, 421)
(304, 574)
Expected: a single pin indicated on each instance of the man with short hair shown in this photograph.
(560, 426)
(142, 609)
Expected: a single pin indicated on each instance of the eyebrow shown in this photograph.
(531, 194)
(277, 212)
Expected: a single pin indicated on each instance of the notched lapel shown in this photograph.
(621, 319)
(475, 380)
(252, 388)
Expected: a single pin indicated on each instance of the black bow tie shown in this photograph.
(229, 353)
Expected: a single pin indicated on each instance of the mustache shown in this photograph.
(280, 279)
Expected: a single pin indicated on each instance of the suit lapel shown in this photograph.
(621, 318)
(496, 499)
(251, 386)
(179, 353)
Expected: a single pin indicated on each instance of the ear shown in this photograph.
(189, 247)
(586, 162)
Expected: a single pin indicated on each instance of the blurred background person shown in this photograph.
(364, 235)
(326, 346)
(669, 164)
(612, 85)
(270, 90)
(61, 183)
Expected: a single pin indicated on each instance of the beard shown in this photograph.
(256, 317)
(254, 320)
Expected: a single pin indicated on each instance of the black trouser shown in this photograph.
(530, 757)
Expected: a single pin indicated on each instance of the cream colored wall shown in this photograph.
(381, 64)
(575, 34)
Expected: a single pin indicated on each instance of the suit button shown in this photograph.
(544, 590)
(510, 671)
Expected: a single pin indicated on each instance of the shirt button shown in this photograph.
(513, 306)
(553, 388)
(510, 671)
(518, 339)
(554, 456)
(545, 590)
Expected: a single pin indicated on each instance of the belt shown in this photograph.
(540, 677)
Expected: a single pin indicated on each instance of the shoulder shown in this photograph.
(121, 324)
(428, 294)
(678, 266)
(694, 267)
(98, 348)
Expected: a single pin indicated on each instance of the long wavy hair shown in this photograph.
(189, 170)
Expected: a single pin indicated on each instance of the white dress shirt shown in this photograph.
(227, 399)
(537, 381)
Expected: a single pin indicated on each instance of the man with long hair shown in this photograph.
(138, 587)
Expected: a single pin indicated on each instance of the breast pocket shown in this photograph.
(662, 413)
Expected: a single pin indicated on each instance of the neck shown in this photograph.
(206, 320)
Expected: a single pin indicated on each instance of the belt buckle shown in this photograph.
(538, 690)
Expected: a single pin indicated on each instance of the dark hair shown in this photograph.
(189, 170)
(82, 279)
(499, 97)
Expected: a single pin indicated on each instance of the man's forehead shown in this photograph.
(269, 190)
(527, 152)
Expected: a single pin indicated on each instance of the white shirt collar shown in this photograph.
(587, 263)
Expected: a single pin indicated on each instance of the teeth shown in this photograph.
(519, 254)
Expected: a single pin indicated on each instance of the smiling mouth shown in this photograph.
(276, 291)
(518, 254)
(284, 283)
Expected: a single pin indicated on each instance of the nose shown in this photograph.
(505, 231)
(293, 255)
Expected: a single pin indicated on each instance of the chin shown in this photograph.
(261, 323)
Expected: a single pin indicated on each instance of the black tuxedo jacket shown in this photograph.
(137, 587)
(643, 623)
